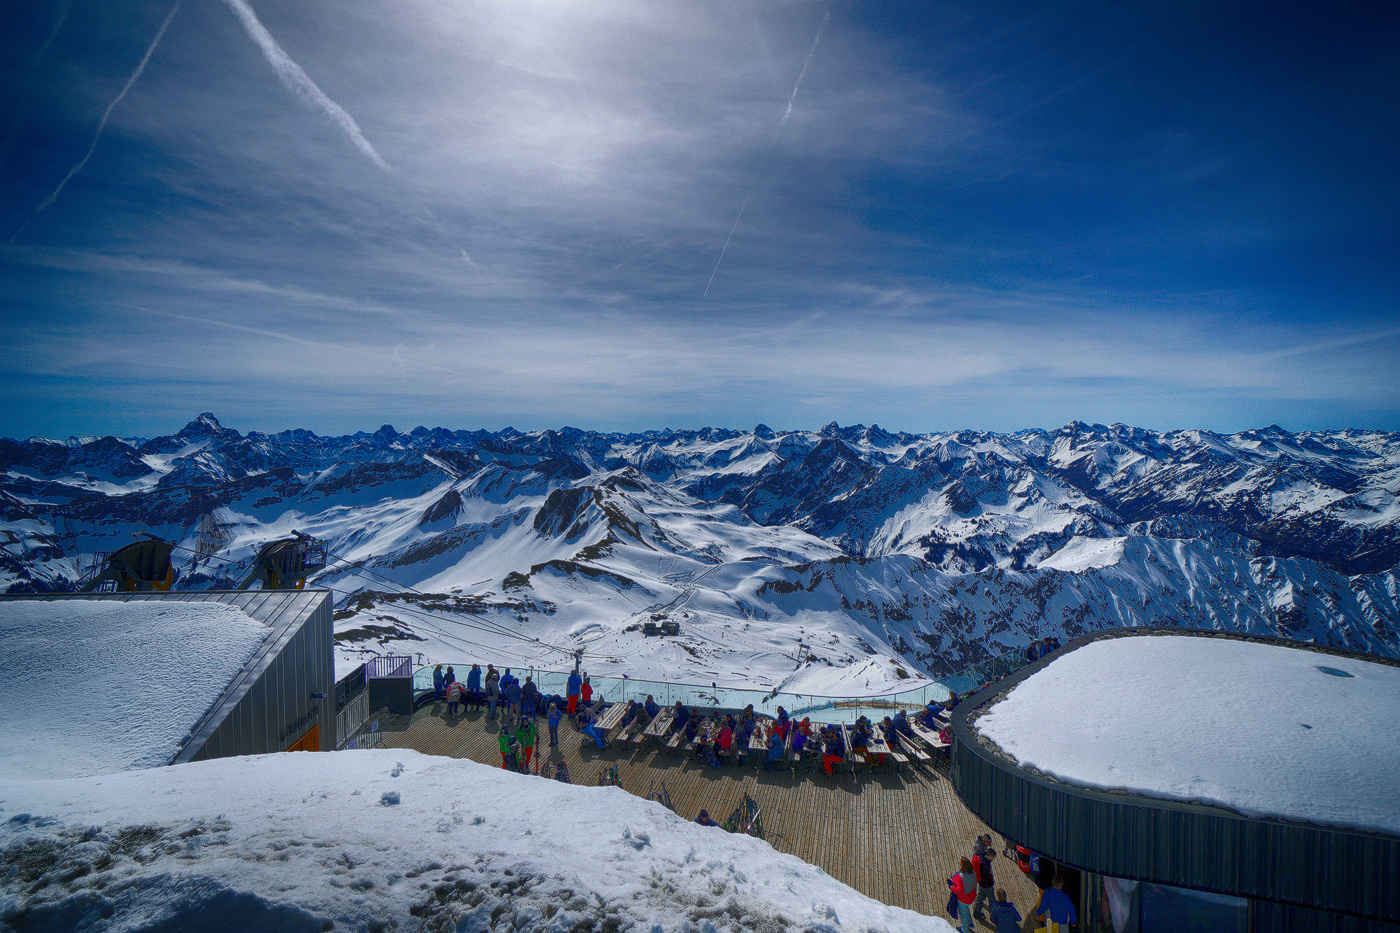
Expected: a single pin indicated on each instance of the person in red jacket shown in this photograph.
(586, 691)
(964, 885)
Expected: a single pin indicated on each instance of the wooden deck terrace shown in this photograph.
(892, 835)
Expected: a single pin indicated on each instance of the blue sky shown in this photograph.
(528, 212)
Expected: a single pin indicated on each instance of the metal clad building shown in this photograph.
(282, 698)
(1293, 873)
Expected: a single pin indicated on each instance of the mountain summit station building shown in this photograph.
(1198, 780)
(99, 683)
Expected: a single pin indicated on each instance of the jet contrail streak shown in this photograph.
(803, 73)
(726, 246)
(102, 124)
(64, 7)
(297, 81)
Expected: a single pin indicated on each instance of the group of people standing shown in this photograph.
(502, 690)
(973, 888)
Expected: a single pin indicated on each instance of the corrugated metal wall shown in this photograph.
(1178, 844)
(285, 690)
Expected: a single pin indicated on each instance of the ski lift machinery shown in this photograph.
(285, 564)
(141, 566)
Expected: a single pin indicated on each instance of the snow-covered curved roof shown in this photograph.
(1265, 729)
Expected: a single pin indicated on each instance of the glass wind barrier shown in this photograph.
(821, 709)
(711, 696)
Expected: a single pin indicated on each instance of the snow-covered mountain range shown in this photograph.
(841, 559)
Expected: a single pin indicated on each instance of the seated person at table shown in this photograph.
(901, 724)
(783, 723)
(744, 736)
(889, 732)
(589, 728)
(928, 717)
(633, 708)
(691, 728)
(723, 743)
(650, 707)
(680, 718)
(799, 740)
(833, 749)
(860, 742)
(774, 757)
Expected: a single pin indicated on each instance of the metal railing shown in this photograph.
(351, 718)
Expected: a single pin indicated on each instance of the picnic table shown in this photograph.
(931, 739)
(611, 716)
(658, 727)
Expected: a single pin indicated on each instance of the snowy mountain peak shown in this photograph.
(938, 549)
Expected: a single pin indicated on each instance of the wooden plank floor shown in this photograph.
(894, 836)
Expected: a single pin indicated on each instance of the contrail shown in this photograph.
(297, 81)
(726, 246)
(803, 73)
(64, 7)
(101, 124)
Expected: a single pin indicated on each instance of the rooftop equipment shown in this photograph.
(285, 564)
(141, 566)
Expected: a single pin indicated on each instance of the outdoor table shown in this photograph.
(612, 716)
(657, 727)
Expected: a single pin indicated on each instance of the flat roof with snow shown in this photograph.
(94, 686)
(1237, 764)
(98, 683)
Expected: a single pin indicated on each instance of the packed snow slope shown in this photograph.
(391, 840)
(888, 556)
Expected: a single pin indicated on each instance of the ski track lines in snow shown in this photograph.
(284, 842)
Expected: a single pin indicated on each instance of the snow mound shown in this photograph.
(299, 842)
(1263, 729)
(95, 686)
(1080, 554)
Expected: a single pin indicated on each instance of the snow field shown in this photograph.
(387, 839)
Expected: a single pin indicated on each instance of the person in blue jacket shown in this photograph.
(681, 717)
(437, 683)
(529, 696)
(651, 707)
(774, 757)
(554, 717)
(572, 691)
(704, 819)
(510, 692)
(901, 724)
(474, 695)
(833, 749)
(1005, 915)
(591, 730)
